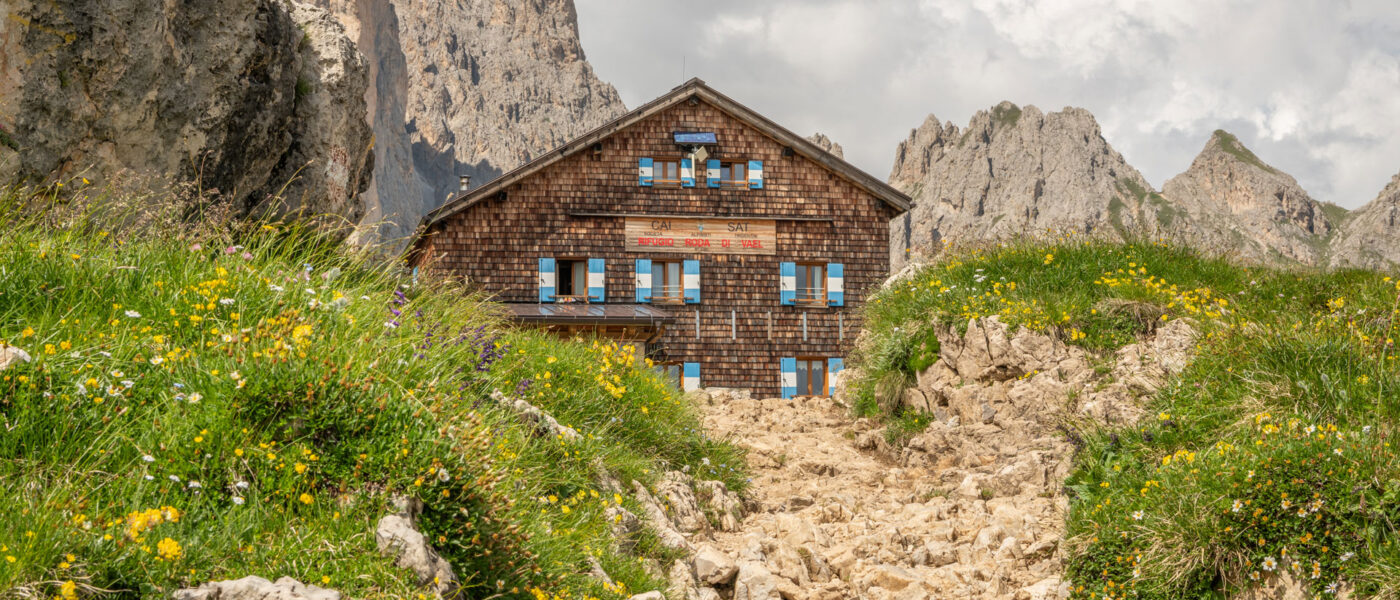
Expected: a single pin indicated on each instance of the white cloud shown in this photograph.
(1309, 85)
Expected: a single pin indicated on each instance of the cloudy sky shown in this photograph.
(1312, 86)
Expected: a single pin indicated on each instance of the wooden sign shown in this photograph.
(702, 236)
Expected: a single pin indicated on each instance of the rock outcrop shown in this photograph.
(825, 143)
(262, 100)
(1370, 236)
(253, 587)
(467, 88)
(1231, 201)
(1013, 171)
(397, 536)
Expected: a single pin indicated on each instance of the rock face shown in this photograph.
(1014, 170)
(250, 97)
(825, 143)
(475, 87)
(1370, 236)
(1229, 200)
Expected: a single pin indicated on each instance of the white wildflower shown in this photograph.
(133, 314)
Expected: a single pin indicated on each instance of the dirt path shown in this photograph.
(971, 507)
(835, 516)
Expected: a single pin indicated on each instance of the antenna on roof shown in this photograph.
(682, 67)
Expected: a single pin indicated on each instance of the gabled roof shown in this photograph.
(695, 88)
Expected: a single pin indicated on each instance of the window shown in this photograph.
(674, 371)
(811, 377)
(666, 284)
(667, 171)
(571, 276)
(811, 283)
(734, 173)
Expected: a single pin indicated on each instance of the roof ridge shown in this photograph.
(693, 87)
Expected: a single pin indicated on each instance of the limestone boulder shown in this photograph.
(397, 535)
(12, 355)
(713, 567)
(256, 588)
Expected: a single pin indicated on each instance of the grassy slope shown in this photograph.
(1273, 448)
(172, 370)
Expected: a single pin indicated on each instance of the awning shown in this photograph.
(607, 314)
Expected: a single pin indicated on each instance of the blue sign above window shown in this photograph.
(694, 137)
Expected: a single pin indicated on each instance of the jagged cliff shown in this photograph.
(1370, 235)
(249, 97)
(467, 88)
(1013, 170)
(825, 143)
(1230, 200)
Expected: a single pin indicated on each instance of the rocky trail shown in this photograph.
(972, 507)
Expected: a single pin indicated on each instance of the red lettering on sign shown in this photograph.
(753, 243)
(724, 243)
(697, 243)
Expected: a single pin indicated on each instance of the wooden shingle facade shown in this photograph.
(742, 218)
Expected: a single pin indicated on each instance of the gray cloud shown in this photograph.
(1312, 86)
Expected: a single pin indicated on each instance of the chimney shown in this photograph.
(463, 182)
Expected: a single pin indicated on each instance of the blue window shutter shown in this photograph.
(690, 281)
(597, 280)
(712, 173)
(687, 173)
(546, 280)
(643, 281)
(787, 283)
(644, 172)
(755, 174)
(690, 376)
(833, 366)
(788, 366)
(835, 284)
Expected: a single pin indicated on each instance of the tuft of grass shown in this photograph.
(208, 402)
(1273, 450)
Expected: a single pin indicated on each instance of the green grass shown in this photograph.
(1006, 116)
(1290, 402)
(211, 402)
(1232, 146)
(1336, 215)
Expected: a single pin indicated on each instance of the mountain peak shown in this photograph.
(1014, 170)
(825, 143)
(1229, 191)
(1222, 141)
